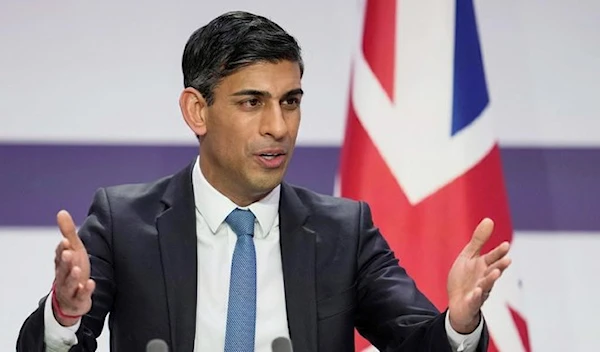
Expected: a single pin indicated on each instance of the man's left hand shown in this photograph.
(472, 277)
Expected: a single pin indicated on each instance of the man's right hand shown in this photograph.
(72, 284)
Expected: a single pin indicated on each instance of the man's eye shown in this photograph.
(291, 101)
(251, 102)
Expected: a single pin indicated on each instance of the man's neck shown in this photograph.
(236, 196)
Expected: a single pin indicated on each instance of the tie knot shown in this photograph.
(241, 222)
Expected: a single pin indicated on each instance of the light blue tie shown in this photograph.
(241, 311)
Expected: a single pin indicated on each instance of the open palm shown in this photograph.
(472, 277)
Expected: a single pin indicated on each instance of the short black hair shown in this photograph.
(231, 41)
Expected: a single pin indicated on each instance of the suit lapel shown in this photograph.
(177, 241)
(298, 261)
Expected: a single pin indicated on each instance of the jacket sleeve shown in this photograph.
(96, 235)
(392, 313)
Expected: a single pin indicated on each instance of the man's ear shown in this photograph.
(194, 110)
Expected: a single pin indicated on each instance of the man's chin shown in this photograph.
(267, 183)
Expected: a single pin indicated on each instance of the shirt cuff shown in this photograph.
(463, 342)
(58, 338)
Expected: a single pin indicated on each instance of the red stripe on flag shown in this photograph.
(428, 236)
(379, 41)
(521, 327)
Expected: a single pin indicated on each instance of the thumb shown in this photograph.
(68, 229)
(480, 236)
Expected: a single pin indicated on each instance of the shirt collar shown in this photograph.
(214, 206)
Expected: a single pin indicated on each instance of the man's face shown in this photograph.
(251, 129)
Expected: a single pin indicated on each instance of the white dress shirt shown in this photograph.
(216, 242)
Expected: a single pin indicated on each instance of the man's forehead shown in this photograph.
(266, 76)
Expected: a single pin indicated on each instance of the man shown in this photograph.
(225, 256)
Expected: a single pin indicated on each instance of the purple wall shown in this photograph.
(549, 188)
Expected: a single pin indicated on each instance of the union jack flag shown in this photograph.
(420, 149)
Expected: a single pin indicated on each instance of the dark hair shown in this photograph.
(230, 42)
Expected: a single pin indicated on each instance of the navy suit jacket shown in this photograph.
(339, 273)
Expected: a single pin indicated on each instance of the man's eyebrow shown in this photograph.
(255, 92)
(297, 91)
(262, 93)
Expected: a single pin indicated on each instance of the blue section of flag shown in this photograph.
(470, 90)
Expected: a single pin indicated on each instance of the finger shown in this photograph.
(480, 236)
(501, 265)
(497, 253)
(85, 290)
(69, 288)
(64, 267)
(488, 281)
(475, 298)
(68, 229)
(63, 245)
